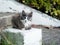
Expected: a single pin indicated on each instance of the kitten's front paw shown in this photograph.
(28, 28)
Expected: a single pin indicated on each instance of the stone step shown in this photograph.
(5, 19)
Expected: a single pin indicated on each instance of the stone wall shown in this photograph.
(5, 19)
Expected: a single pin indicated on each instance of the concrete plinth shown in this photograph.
(23, 37)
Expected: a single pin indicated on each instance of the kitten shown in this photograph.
(22, 20)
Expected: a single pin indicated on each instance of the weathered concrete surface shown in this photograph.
(51, 36)
(23, 37)
(5, 19)
(2, 22)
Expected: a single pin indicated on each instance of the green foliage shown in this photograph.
(51, 7)
(10, 38)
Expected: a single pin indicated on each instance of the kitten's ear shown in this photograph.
(23, 12)
(30, 14)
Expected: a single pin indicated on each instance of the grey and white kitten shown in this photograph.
(22, 20)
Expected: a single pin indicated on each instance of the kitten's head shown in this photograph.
(26, 19)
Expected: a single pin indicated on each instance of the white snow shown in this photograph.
(38, 17)
(31, 37)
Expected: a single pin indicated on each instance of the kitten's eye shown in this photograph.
(23, 17)
(29, 18)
